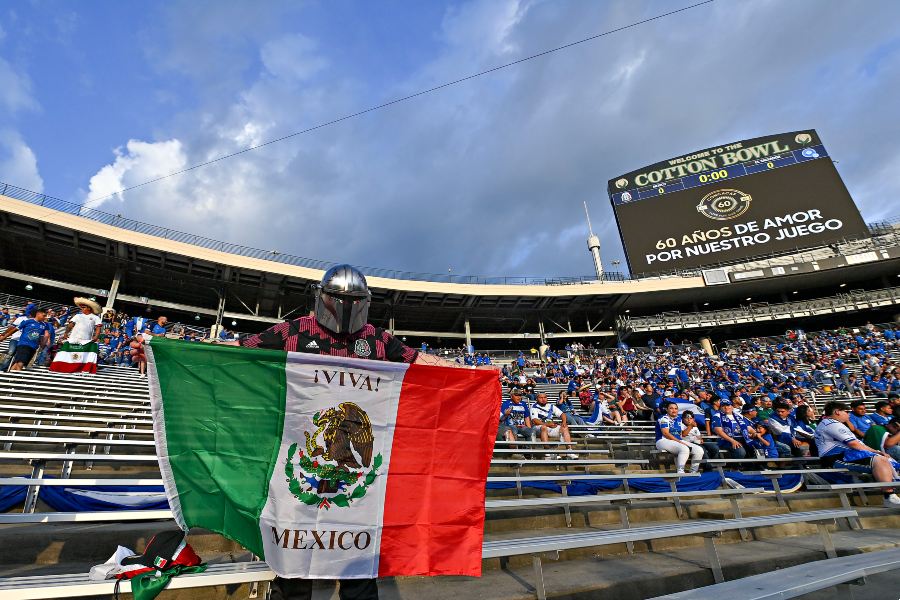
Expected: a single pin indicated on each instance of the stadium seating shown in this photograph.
(67, 437)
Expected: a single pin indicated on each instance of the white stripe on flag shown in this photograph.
(346, 541)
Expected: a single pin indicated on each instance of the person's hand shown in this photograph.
(735, 444)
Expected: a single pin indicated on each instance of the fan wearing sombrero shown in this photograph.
(84, 327)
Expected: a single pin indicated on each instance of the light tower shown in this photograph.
(593, 243)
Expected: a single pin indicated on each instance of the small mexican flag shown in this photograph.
(76, 358)
(326, 467)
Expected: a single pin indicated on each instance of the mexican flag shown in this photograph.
(75, 358)
(326, 467)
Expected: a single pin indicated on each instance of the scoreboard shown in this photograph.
(730, 202)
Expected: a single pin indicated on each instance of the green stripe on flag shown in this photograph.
(223, 409)
(89, 347)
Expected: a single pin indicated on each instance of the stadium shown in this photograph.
(814, 318)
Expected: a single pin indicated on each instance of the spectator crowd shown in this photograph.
(120, 337)
(752, 399)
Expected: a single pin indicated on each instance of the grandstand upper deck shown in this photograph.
(63, 246)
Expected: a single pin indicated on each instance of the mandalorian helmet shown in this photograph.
(342, 300)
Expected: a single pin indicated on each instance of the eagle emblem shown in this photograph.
(335, 465)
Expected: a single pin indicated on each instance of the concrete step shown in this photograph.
(623, 577)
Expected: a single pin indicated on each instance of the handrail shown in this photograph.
(628, 323)
(881, 228)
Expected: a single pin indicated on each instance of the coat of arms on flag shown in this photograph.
(339, 472)
(326, 467)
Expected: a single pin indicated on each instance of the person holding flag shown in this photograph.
(338, 327)
(79, 350)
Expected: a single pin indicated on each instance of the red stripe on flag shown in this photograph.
(78, 367)
(434, 503)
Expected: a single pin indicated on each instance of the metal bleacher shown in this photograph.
(79, 431)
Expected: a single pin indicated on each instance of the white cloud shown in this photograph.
(489, 175)
(136, 163)
(15, 89)
(292, 57)
(18, 164)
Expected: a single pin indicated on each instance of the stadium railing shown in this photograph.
(875, 238)
(853, 300)
(800, 580)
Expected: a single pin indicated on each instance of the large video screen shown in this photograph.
(749, 198)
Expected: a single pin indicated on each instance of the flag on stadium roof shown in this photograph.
(326, 467)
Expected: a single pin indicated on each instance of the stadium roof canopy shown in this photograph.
(51, 243)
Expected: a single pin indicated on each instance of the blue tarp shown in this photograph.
(64, 500)
(787, 483)
(12, 495)
(706, 481)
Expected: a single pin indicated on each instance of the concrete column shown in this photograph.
(113, 289)
(468, 334)
(220, 312)
(706, 344)
(391, 325)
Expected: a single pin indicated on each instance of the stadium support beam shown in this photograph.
(113, 289)
(468, 334)
(220, 312)
(501, 336)
(129, 298)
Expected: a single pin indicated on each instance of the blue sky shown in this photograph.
(486, 177)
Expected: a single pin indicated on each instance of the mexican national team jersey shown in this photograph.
(306, 335)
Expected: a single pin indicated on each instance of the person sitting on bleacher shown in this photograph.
(564, 404)
(858, 418)
(781, 425)
(668, 439)
(515, 419)
(803, 431)
(551, 423)
(885, 438)
(839, 448)
(690, 432)
(883, 413)
(763, 444)
(732, 429)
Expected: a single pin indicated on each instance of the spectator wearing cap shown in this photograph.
(84, 327)
(515, 417)
(731, 430)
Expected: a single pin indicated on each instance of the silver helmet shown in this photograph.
(342, 300)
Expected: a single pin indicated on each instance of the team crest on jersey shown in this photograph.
(361, 348)
(340, 468)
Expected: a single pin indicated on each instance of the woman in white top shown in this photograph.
(668, 439)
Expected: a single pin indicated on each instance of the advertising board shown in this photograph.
(721, 204)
